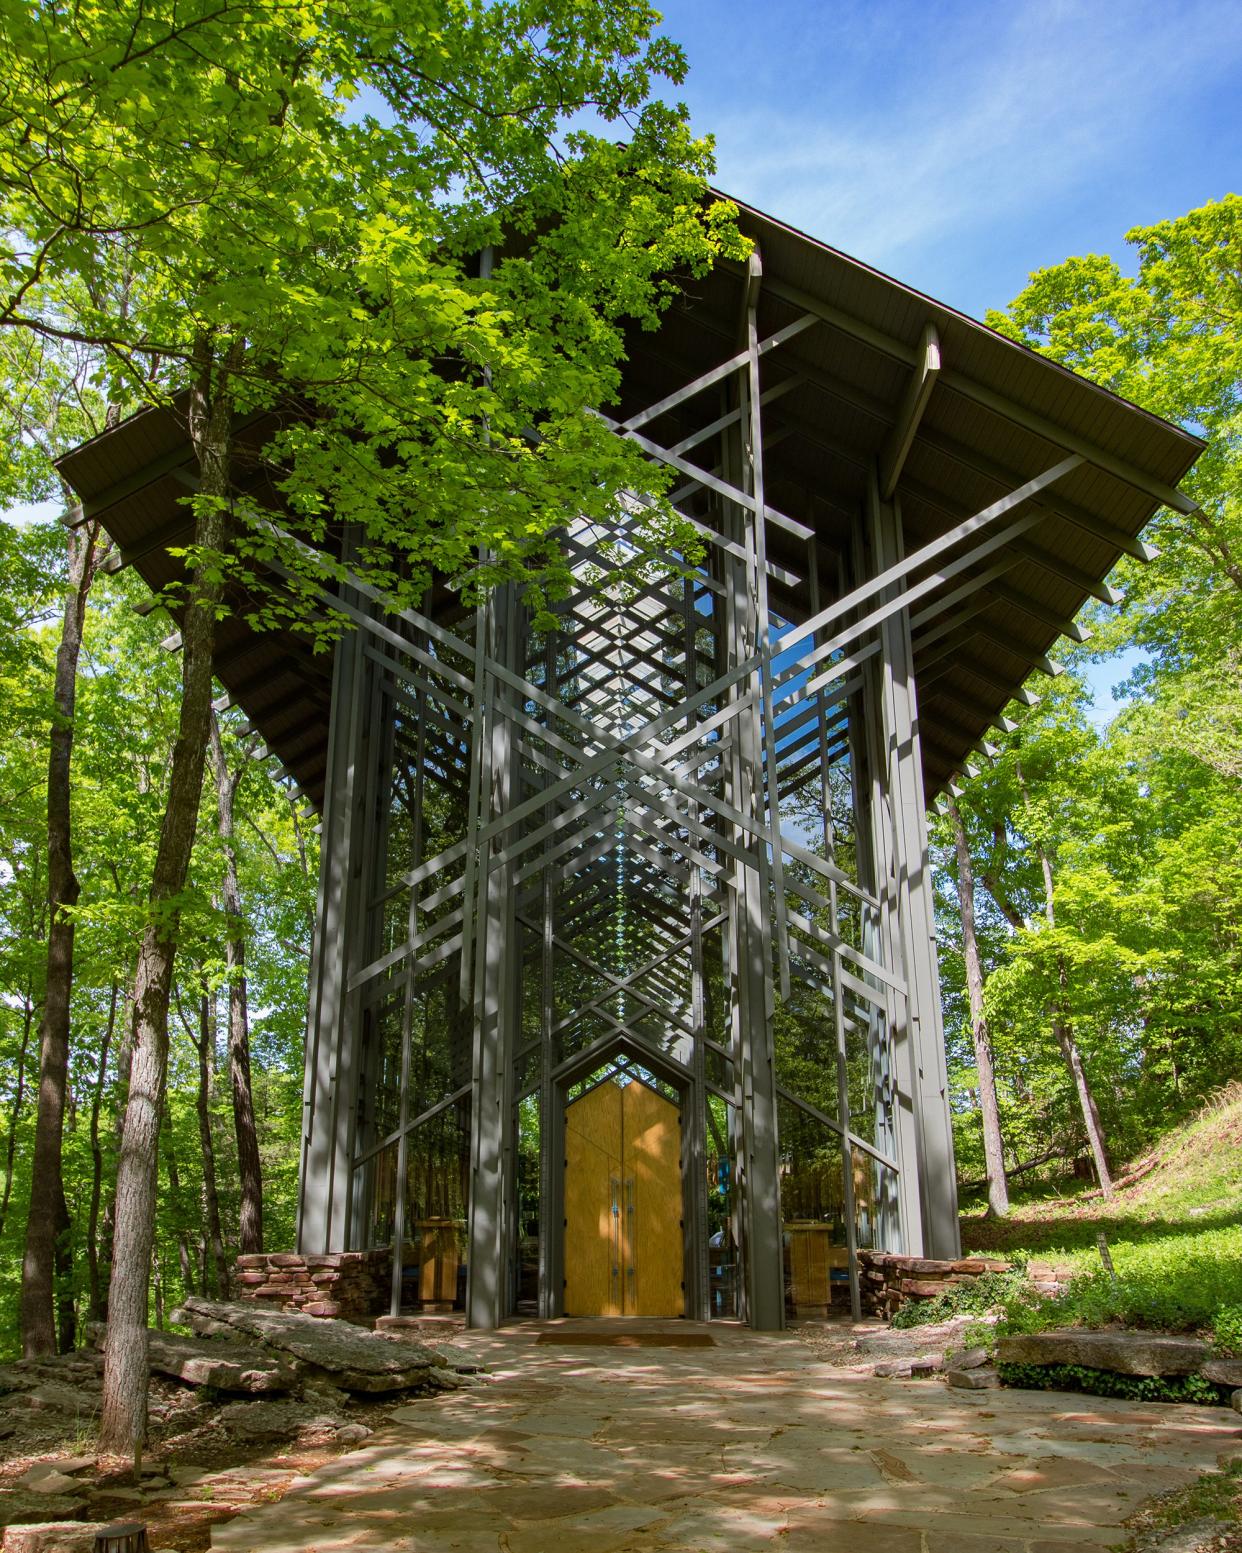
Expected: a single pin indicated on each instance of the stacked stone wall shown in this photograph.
(887, 1281)
(351, 1285)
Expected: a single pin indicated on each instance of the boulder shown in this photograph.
(969, 1359)
(343, 1355)
(1225, 1372)
(226, 1366)
(972, 1380)
(353, 1434)
(1236, 1400)
(1125, 1353)
(52, 1537)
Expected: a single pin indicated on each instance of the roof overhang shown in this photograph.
(881, 385)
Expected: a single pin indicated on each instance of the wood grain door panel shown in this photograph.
(623, 1204)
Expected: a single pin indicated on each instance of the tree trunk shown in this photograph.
(1063, 1033)
(19, 1095)
(124, 1054)
(66, 1310)
(205, 1046)
(1062, 1030)
(993, 1143)
(46, 1195)
(95, 1304)
(123, 1422)
(185, 1261)
(249, 1164)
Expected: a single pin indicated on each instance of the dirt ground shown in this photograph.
(204, 1462)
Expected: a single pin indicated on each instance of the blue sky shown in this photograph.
(961, 145)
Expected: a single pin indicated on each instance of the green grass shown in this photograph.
(1175, 1237)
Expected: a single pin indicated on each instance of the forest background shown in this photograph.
(1103, 865)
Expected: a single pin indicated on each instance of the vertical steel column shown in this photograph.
(920, 1045)
(754, 1056)
(331, 1056)
(491, 1114)
(838, 996)
(551, 1170)
(694, 1164)
(878, 867)
(411, 992)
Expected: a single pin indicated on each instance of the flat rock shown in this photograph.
(185, 1477)
(1225, 1372)
(52, 1537)
(265, 1420)
(45, 1479)
(24, 1505)
(226, 1366)
(73, 1464)
(343, 1355)
(972, 1380)
(1125, 1353)
(1204, 1536)
(969, 1359)
(55, 1396)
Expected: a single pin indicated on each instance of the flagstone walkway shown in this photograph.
(747, 1444)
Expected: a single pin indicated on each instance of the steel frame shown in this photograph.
(683, 827)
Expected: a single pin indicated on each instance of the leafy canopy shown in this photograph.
(284, 203)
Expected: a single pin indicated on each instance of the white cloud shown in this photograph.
(918, 125)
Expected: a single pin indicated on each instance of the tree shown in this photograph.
(288, 257)
(47, 1217)
(47, 403)
(993, 1142)
(1170, 339)
(249, 1166)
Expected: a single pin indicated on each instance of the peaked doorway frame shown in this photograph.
(692, 1166)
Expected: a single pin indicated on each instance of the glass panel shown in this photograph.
(722, 1257)
(804, 1032)
(379, 1177)
(379, 1078)
(813, 1241)
(529, 1132)
(437, 1165)
(876, 1212)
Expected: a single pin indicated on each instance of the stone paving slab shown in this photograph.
(749, 1444)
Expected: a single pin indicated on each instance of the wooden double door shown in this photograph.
(623, 1203)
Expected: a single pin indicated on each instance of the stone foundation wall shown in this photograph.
(887, 1281)
(352, 1285)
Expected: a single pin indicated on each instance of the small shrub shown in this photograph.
(1107, 1383)
(974, 1297)
(1157, 1292)
(1227, 1330)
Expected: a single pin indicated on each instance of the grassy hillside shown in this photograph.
(1175, 1233)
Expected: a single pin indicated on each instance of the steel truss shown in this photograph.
(684, 832)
